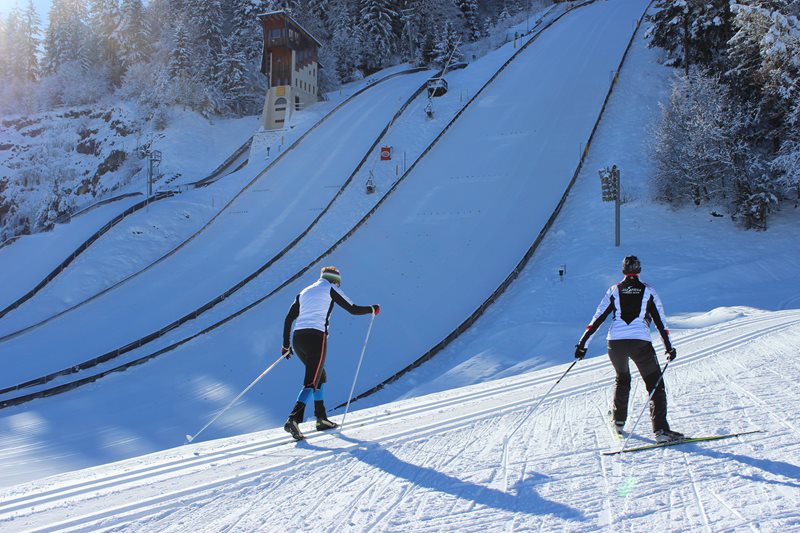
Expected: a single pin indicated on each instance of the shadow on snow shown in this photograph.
(523, 497)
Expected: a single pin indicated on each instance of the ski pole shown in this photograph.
(190, 438)
(507, 438)
(358, 369)
(649, 399)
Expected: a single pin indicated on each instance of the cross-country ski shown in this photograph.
(676, 442)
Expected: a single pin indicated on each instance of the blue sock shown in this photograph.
(319, 394)
(304, 394)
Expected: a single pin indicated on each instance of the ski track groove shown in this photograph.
(734, 512)
(609, 514)
(168, 502)
(763, 404)
(696, 491)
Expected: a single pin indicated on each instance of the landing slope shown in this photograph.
(261, 222)
(430, 255)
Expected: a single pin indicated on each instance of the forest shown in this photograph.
(728, 138)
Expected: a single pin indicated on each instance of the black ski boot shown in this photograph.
(292, 424)
(667, 435)
(323, 424)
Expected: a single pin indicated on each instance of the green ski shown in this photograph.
(682, 441)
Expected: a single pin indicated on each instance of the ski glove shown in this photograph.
(580, 352)
(286, 351)
(376, 309)
(671, 354)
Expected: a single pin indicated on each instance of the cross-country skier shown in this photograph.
(312, 310)
(633, 305)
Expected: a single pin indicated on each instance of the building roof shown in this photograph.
(293, 21)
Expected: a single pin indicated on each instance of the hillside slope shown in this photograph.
(433, 463)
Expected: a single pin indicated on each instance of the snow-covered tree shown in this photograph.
(180, 62)
(104, 21)
(698, 150)
(205, 34)
(472, 25)
(30, 31)
(447, 46)
(504, 15)
(4, 49)
(377, 19)
(233, 79)
(67, 35)
(133, 38)
(744, 52)
(692, 31)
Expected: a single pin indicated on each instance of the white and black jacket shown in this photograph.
(633, 305)
(312, 308)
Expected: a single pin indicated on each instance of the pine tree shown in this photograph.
(447, 46)
(180, 62)
(692, 31)
(503, 16)
(744, 52)
(30, 31)
(377, 19)
(469, 8)
(4, 53)
(234, 85)
(66, 37)
(133, 39)
(206, 40)
(104, 20)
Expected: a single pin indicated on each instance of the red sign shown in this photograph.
(386, 153)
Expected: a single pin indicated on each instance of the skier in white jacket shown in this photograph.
(633, 305)
(312, 310)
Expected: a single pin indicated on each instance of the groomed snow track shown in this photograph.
(433, 462)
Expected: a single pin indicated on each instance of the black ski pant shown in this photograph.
(309, 345)
(644, 356)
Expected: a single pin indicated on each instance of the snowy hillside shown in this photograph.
(54, 164)
(433, 463)
(425, 452)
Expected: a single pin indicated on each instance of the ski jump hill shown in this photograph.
(437, 247)
(434, 247)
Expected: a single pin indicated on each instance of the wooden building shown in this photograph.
(291, 63)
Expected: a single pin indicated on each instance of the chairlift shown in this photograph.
(437, 87)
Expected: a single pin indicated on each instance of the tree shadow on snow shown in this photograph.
(522, 498)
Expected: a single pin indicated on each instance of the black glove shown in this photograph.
(376, 309)
(671, 354)
(580, 352)
(286, 351)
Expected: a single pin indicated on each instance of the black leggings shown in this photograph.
(310, 347)
(644, 356)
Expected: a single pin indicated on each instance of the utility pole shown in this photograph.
(153, 162)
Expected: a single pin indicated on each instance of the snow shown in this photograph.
(432, 463)
(424, 454)
(149, 234)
